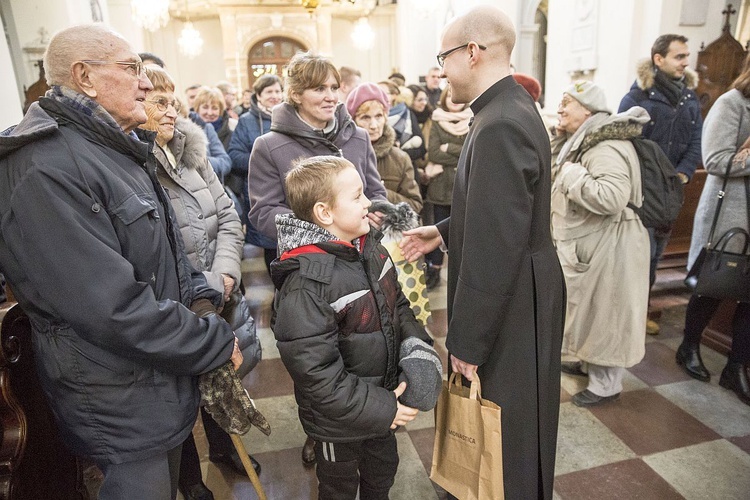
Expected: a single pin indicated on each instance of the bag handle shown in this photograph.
(720, 195)
(735, 231)
(475, 390)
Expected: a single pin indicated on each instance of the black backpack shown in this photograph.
(662, 187)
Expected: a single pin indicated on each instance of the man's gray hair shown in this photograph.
(86, 41)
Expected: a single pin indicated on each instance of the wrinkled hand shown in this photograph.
(467, 370)
(419, 241)
(376, 219)
(404, 414)
(236, 358)
(228, 286)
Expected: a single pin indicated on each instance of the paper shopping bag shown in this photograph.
(467, 460)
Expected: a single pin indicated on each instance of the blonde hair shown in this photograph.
(209, 95)
(312, 181)
(83, 42)
(367, 106)
(404, 95)
(307, 71)
(159, 77)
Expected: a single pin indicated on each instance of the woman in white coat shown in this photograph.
(602, 246)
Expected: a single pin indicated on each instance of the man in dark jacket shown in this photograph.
(665, 88)
(88, 243)
(506, 294)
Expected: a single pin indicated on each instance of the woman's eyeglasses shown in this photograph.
(162, 104)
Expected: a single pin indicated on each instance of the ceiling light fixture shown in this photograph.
(150, 14)
(190, 41)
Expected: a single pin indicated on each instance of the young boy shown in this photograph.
(340, 319)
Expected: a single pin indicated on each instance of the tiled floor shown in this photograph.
(668, 436)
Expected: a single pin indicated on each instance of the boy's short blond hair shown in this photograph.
(312, 181)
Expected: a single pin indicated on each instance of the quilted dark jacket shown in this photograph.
(339, 320)
(87, 242)
(676, 129)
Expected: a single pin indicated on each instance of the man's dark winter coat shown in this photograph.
(87, 242)
(676, 129)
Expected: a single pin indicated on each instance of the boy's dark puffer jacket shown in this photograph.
(339, 321)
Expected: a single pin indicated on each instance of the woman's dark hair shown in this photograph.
(416, 89)
(266, 81)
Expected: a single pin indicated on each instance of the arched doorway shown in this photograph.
(271, 55)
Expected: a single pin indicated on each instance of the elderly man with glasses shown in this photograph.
(506, 294)
(88, 245)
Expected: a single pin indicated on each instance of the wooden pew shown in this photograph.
(34, 463)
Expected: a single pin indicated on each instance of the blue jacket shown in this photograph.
(676, 129)
(217, 155)
(251, 125)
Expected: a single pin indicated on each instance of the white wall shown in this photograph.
(375, 64)
(626, 29)
(207, 68)
(10, 103)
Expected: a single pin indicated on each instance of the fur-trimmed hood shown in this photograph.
(603, 127)
(383, 145)
(189, 144)
(645, 76)
(622, 126)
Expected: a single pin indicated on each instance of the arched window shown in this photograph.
(271, 56)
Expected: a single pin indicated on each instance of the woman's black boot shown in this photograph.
(689, 357)
(734, 377)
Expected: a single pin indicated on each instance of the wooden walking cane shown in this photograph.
(240, 447)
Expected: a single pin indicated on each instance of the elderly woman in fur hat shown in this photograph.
(369, 106)
(601, 243)
(212, 234)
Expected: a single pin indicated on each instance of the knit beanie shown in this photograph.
(590, 95)
(531, 84)
(366, 92)
(422, 371)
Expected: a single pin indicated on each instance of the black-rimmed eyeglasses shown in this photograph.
(136, 66)
(441, 57)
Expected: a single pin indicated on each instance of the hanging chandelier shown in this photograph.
(150, 14)
(190, 41)
(362, 35)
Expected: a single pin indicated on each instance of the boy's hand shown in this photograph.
(376, 219)
(404, 414)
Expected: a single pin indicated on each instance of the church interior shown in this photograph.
(667, 437)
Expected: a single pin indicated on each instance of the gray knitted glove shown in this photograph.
(423, 373)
